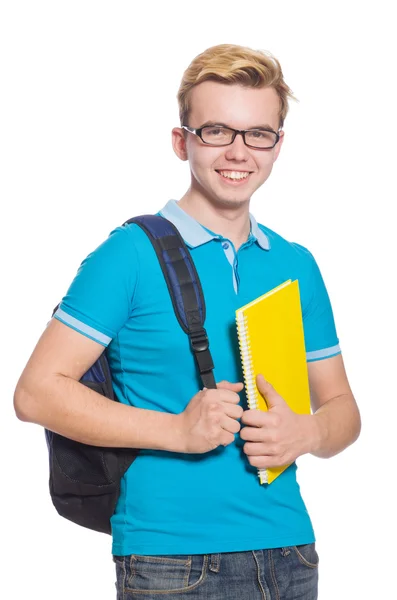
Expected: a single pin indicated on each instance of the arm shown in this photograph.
(96, 307)
(49, 393)
(336, 422)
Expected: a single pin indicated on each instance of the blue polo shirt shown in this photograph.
(173, 503)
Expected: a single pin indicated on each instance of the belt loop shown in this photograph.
(215, 563)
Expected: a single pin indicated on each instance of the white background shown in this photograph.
(87, 106)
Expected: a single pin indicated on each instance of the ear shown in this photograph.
(278, 146)
(179, 143)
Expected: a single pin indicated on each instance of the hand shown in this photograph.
(210, 418)
(276, 437)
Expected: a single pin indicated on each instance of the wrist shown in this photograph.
(315, 434)
(157, 430)
(175, 438)
(312, 435)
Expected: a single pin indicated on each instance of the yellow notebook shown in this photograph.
(271, 339)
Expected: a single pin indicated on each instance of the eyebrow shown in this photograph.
(219, 124)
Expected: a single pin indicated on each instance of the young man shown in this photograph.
(192, 520)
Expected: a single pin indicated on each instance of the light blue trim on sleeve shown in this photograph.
(324, 353)
(92, 333)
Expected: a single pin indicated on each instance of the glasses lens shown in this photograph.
(217, 136)
(260, 138)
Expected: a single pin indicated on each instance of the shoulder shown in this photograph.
(114, 259)
(140, 241)
(122, 242)
(285, 249)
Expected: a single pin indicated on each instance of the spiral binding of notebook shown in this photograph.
(251, 389)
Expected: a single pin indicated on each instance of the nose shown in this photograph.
(237, 150)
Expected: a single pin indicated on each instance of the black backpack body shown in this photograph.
(85, 480)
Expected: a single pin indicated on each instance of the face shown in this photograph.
(228, 175)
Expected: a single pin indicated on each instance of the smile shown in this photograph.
(234, 175)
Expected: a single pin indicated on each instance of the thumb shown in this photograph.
(267, 390)
(227, 385)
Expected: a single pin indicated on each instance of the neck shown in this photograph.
(230, 220)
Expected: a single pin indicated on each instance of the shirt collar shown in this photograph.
(195, 234)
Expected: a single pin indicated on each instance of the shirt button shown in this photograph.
(225, 245)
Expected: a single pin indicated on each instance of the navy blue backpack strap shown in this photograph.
(184, 287)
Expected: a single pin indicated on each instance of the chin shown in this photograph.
(231, 201)
(233, 196)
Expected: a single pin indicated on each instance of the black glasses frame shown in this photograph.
(242, 132)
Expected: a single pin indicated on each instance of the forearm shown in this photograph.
(335, 425)
(70, 408)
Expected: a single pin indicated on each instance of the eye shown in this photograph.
(259, 135)
(216, 131)
(260, 138)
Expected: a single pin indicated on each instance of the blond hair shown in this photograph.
(228, 63)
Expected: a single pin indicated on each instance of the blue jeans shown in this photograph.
(279, 574)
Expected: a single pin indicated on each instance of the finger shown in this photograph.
(259, 418)
(254, 434)
(230, 425)
(228, 396)
(256, 418)
(251, 417)
(259, 449)
(227, 385)
(232, 410)
(268, 392)
(226, 438)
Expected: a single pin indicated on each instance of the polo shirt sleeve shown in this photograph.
(321, 339)
(99, 300)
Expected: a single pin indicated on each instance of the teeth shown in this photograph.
(234, 174)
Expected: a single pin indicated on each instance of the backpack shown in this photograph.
(84, 480)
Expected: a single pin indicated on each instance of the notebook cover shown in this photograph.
(271, 338)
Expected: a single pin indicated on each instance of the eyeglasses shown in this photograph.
(218, 135)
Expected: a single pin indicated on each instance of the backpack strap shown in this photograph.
(184, 287)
